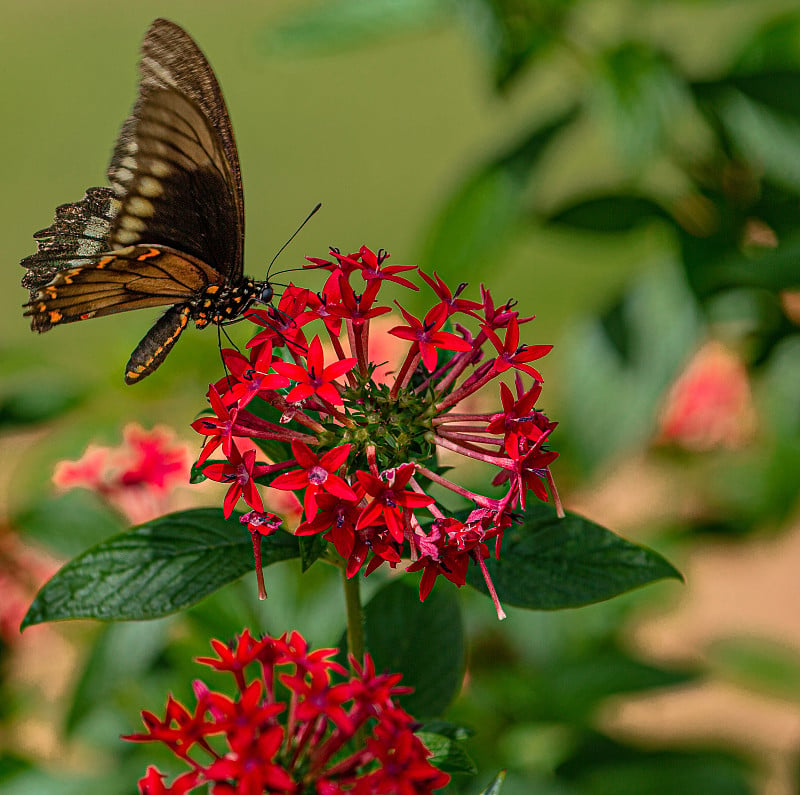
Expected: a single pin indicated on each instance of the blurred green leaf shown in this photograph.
(155, 569)
(638, 93)
(573, 687)
(769, 138)
(481, 214)
(758, 664)
(447, 754)
(618, 370)
(549, 563)
(515, 32)
(774, 45)
(604, 767)
(610, 213)
(122, 653)
(423, 641)
(774, 269)
(341, 24)
(24, 402)
(69, 523)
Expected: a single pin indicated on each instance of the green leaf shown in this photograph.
(423, 641)
(480, 215)
(775, 46)
(122, 653)
(769, 137)
(311, 548)
(24, 402)
(447, 754)
(549, 563)
(758, 664)
(620, 213)
(603, 767)
(515, 34)
(638, 94)
(619, 369)
(496, 784)
(155, 569)
(342, 24)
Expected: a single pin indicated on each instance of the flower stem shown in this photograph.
(355, 617)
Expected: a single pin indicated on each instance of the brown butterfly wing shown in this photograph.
(131, 278)
(178, 143)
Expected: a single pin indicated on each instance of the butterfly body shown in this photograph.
(170, 229)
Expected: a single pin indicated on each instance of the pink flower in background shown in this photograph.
(710, 404)
(137, 477)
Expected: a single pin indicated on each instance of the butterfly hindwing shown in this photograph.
(80, 231)
(132, 278)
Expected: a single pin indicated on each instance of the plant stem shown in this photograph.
(355, 617)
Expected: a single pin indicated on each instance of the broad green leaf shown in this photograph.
(447, 754)
(343, 24)
(155, 569)
(423, 641)
(549, 563)
(610, 213)
(496, 785)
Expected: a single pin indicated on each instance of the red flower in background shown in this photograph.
(261, 741)
(137, 477)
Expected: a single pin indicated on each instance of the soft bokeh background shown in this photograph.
(423, 128)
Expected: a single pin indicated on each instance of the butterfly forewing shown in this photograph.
(171, 62)
(177, 189)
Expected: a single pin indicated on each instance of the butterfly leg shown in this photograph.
(157, 343)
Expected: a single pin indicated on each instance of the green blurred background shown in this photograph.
(628, 171)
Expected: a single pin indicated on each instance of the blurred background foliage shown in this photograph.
(629, 170)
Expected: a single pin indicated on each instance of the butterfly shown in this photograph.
(169, 230)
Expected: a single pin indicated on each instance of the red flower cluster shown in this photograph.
(361, 452)
(302, 742)
(137, 477)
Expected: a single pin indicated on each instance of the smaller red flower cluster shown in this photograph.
(306, 741)
(360, 450)
(137, 477)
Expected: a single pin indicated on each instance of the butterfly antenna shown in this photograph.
(296, 232)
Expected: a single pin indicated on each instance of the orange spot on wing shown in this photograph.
(153, 252)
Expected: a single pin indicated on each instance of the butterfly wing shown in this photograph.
(171, 224)
(175, 167)
(131, 278)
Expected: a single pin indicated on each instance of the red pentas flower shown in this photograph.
(263, 740)
(137, 477)
(360, 449)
